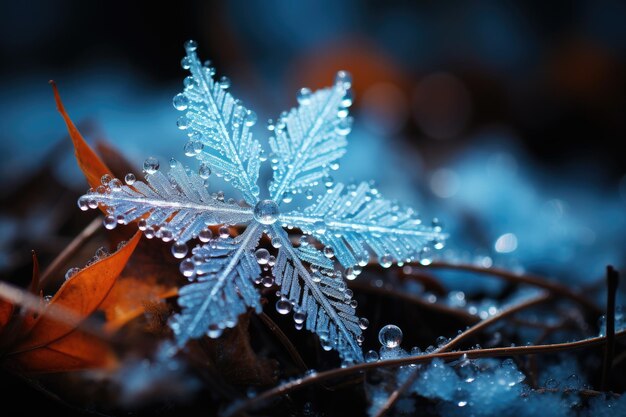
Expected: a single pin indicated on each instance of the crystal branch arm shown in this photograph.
(174, 206)
(322, 301)
(218, 126)
(349, 219)
(224, 271)
(310, 138)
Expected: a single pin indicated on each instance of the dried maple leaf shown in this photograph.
(55, 342)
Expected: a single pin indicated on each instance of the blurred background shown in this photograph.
(503, 119)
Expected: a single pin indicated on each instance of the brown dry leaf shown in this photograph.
(75, 351)
(82, 295)
(88, 161)
(129, 298)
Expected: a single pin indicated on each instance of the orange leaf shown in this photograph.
(130, 296)
(75, 351)
(88, 161)
(82, 295)
(6, 312)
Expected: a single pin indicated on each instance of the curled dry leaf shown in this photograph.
(56, 344)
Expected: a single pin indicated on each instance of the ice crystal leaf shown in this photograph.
(309, 139)
(224, 271)
(218, 126)
(319, 295)
(351, 221)
(175, 206)
(351, 218)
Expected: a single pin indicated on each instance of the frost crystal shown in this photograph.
(351, 221)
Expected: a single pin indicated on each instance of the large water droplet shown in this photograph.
(276, 242)
(262, 256)
(283, 306)
(180, 102)
(344, 126)
(182, 122)
(329, 252)
(371, 356)
(299, 317)
(390, 336)
(83, 203)
(266, 212)
(151, 165)
(179, 250)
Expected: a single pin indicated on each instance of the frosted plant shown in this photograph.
(351, 221)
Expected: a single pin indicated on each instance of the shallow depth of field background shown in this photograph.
(503, 119)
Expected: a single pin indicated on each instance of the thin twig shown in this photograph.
(303, 382)
(460, 314)
(86, 234)
(398, 392)
(528, 279)
(284, 340)
(612, 280)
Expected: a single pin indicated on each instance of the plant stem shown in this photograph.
(86, 234)
(612, 280)
(284, 340)
(303, 382)
(537, 281)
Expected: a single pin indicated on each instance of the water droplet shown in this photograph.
(346, 101)
(262, 256)
(344, 126)
(106, 178)
(83, 203)
(142, 224)
(386, 261)
(283, 306)
(426, 256)
(390, 336)
(151, 165)
(364, 323)
(110, 222)
(180, 102)
(115, 184)
(350, 274)
(214, 331)
(205, 235)
(47, 298)
(189, 81)
(223, 232)
(276, 242)
(251, 118)
(187, 268)
(299, 317)
(462, 403)
(179, 250)
(266, 212)
(304, 96)
(191, 45)
(343, 79)
(182, 122)
(204, 171)
(309, 195)
(267, 281)
(371, 356)
(329, 252)
(130, 178)
(188, 149)
(71, 272)
(224, 82)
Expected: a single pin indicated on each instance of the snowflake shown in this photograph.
(350, 221)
